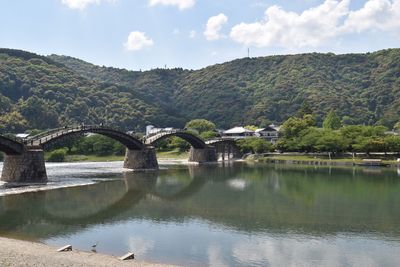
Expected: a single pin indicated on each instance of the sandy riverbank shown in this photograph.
(24, 253)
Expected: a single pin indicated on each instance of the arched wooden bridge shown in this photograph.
(48, 139)
(24, 161)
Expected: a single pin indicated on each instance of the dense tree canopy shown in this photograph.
(45, 92)
(332, 121)
(298, 135)
(200, 125)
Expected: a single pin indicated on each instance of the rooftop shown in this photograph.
(238, 130)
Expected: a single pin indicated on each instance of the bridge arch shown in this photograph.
(47, 139)
(193, 140)
(11, 147)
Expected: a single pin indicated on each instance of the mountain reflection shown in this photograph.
(304, 200)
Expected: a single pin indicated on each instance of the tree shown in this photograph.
(332, 121)
(309, 139)
(5, 104)
(57, 155)
(38, 113)
(288, 144)
(254, 145)
(178, 143)
(293, 126)
(200, 125)
(347, 120)
(370, 144)
(261, 146)
(13, 122)
(331, 141)
(305, 109)
(392, 143)
(98, 145)
(396, 127)
(103, 146)
(208, 135)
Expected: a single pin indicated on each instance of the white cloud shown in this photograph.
(289, 29)
(192, 34)
(137, 41)
(181, 4)
(382, 15)
(318, 25)
(82, 4)
(214, 26)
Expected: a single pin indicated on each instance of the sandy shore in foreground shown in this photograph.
(24, 253)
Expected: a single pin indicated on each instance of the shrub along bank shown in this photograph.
(300, 134)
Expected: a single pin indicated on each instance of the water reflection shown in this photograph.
(228, 215)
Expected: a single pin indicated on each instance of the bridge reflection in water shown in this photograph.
(237, 198)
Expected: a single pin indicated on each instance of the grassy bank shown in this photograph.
(174, 154)
(299, 159)
(93, 158)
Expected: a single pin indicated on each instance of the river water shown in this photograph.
(232, 215)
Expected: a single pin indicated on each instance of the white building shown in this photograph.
(238, 132)
(270, 133)
(151, 130)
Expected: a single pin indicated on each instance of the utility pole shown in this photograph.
(248, 52)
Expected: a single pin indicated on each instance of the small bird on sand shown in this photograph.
(94, 247)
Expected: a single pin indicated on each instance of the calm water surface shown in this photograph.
(235, 215)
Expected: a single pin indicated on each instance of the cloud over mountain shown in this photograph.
(317, 25)
(137, 41)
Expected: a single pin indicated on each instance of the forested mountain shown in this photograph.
(38, 93)
(44, 92)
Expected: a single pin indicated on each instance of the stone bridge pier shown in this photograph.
(27, 167)
(203, 155)
(228, 151)
(141, 159)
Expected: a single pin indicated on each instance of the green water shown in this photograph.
(236, 215)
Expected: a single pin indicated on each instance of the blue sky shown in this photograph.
(145, 34)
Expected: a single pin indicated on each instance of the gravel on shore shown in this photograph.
(23, 253)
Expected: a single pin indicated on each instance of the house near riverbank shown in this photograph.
(270, 133)
(151, 130)
(238, 132)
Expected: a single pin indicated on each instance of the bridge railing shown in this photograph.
(12, 137)
(53, 133)
(46, 133)
(149, 138)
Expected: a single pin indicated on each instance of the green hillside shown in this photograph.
(43, 92)
(36, 92)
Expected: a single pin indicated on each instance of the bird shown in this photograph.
(94, 247)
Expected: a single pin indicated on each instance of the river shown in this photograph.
(227, 215)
